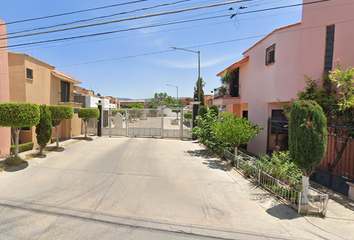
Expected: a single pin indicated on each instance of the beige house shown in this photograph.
(34, 81)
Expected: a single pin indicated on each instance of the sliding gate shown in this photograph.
(163, 123)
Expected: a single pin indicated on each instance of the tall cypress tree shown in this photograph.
(44, 127)
(307, 138)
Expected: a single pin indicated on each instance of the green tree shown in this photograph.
(344, 81)
(44, 127)
(236, 131)
(153, 105)
(86, 114)
(205, 133)
(200, 83)
(59, 113)
(202, 111)
(17, 116)
(215, 109)
(307, 138)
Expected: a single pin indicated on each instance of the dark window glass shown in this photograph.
(29, 74)
(329, 48)
(65, 91)
(279, 123)
(270, 54)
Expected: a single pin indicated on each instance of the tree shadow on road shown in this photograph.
(17, 168)
(218, 164)
(200, 153)
(282, 211)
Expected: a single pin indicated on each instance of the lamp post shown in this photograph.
(176, 88)
(177, 96)
(199, 83)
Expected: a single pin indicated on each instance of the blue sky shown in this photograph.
(105, 63)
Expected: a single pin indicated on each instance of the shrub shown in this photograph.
(53, 140)
(22, 147)
(86, 114)
(235, 131)
(281, 167)
(44, 127)
(215, 109)
(307, 138)
(18, 115)
(59, 113)
(202, 111)
(13, 161)
(204, 132)
(188, 115)
(153, 105)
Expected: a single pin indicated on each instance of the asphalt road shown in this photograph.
(137, 188)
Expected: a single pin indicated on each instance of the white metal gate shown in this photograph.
(164, 123)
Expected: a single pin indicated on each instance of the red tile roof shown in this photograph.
(66, 76)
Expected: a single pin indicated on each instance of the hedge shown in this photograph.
(61, 112)
(22, 147)
(18, 115)
(87, 113)
(188, 115)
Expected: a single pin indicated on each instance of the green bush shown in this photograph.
(203, 131)
(22, 147)
(59, 113)
(44, 127)
(88, 113)
(18, 115)
(188, 116)
(53, 140)
(281, 167)
(215, 109)
(202, 111)
(13, 161)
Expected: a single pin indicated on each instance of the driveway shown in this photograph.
(142, 188)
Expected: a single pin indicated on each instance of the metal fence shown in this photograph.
(248, 166)
(164, 123)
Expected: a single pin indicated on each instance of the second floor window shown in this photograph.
(65, 91)
(270, 54)
(29, 74)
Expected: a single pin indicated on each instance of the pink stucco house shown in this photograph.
(273, 69)
(5, 134)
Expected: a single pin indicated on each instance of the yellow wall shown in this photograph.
(43, 89)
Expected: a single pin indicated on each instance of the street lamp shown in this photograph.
(199, 82)
(176, 88)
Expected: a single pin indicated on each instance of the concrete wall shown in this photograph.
(5, 134)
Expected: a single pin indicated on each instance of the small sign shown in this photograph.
(110, 115)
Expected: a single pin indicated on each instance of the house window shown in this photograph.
(279, 123)
(270, 54)
(329, 48)
(65, 91)
(26, 129)
(29, 74)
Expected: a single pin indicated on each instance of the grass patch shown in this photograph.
(13, 161)
(34, 155)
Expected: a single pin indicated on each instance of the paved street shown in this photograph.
(145, 188)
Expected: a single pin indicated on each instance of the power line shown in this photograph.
(100, 17)
(143, 27)
(126, 19)
(79, 11)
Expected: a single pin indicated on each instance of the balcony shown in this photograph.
(223, 96)
(66, 97)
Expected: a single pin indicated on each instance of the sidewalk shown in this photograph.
(52, 146)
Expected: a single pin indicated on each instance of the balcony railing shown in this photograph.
(66, 97)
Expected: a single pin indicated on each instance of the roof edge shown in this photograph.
(274, 31)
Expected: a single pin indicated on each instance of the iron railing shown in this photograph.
(248, 166)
